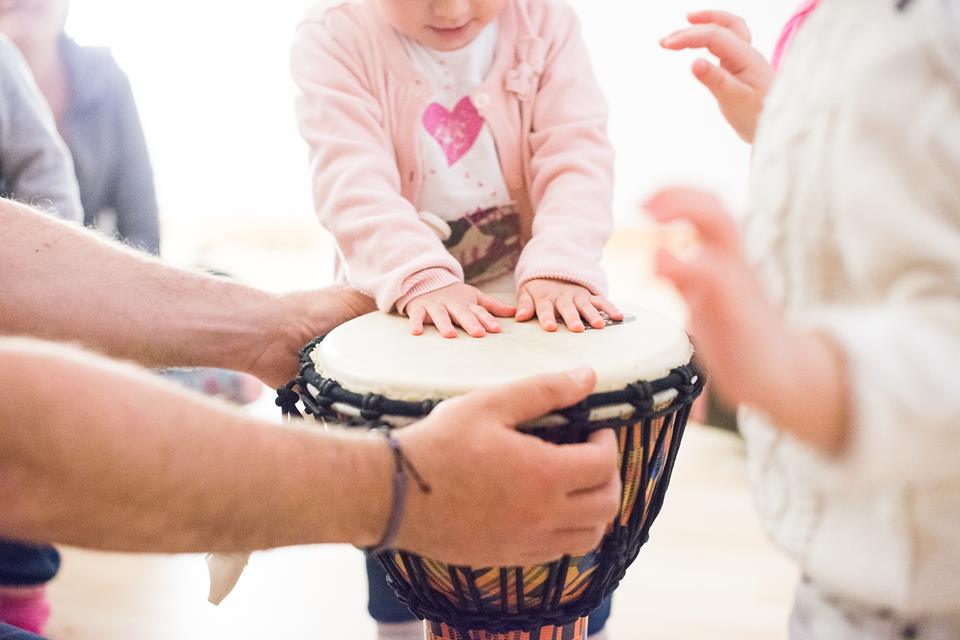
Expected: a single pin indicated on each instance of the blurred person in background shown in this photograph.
(34, 167)
(93, 105)
(96, 114)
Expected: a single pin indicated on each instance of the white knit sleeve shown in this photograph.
(897, 220)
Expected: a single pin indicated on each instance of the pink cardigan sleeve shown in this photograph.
(386, 249)
(571, 166)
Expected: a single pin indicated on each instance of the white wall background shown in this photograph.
(212, 80)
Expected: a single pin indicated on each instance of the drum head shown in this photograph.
(376, 354)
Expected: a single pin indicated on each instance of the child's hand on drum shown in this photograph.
(550, 299)
(457, 305)
(741, 82)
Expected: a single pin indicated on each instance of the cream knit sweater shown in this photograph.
(855, 228)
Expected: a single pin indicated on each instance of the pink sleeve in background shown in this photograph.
(793, 26)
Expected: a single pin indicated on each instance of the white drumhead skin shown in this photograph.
(376, 354)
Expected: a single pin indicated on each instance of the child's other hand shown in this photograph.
(460, 305)
(572, 302)
(738, 333)
(795, 376)
(741, 82)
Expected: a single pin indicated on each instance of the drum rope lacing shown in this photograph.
(687, 381)
(618, 549)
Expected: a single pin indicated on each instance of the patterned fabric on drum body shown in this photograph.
(486, 243)
(576, 631)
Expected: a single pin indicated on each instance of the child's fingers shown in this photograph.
(441, 319)
(724, 86)
(607, 307)
(525, 307)
(570, 314)
(589, 312)
(735, 55)
(486, 319)
(497, 307)
(466, 319)
(417, 315)
(546, 315)
(701, 209)
(731, 21)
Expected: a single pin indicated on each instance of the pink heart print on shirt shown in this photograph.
(456, 131)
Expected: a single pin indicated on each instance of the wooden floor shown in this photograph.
(708, 571)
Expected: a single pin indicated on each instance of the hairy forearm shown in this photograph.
(63, 283)
(102, 455)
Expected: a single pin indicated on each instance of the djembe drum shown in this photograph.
(372, 373)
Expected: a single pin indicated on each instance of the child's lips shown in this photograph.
(451, 33)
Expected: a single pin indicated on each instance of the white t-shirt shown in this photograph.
(464, 197)
(459, 158)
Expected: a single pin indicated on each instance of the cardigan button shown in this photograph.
(422, 88)
(481, 101)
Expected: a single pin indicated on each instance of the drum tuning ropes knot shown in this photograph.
(287, 400)
(326, 390)
(690, 377)
(577, 415)
(308, 349)
(642, 398)
(371, 407)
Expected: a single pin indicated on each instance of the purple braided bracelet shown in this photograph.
(397, 509)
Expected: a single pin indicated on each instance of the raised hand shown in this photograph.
(741, 81)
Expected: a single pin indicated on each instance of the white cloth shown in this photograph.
(817, 617)
(225, 570)
(461, 168)
(855, 228)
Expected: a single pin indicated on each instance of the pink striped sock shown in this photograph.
(25, 607)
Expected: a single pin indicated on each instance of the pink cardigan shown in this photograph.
(359, 104)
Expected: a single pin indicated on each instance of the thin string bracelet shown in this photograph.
(398, 508)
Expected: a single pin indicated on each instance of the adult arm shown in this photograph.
(34, 161)
(119, 460)
(64, 283)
